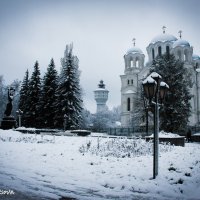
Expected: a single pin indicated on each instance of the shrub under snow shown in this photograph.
(121, 147)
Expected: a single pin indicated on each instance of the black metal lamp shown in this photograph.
(157, 77)
(163, 90)
(149, 85)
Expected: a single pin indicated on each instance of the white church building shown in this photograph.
(136, 69)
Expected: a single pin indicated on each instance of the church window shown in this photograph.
(179, 55)
(153, 54)
(132, 81)
(131, 62)
(128, 104)
(167, 50)
(159, 51)
(137, 62)
(186, 55)
(128, 82)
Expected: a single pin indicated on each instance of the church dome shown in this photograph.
(134, 50)
(181, 43)
(163, 38)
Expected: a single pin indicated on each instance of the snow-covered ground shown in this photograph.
(96, 168)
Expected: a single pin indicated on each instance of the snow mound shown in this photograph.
(15, 136)
(163, 134)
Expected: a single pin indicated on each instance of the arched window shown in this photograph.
(131, 81)
(186, 55)
(128, 104)
(131, 62)
(179, 55)
(153, 54)
(137, 62)
(159, 51)
(128, 82)
(167, 50)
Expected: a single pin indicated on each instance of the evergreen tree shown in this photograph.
(23, 100)
(3, 97)
(69, 100)
(174, 114)
(16, 85)
(32, 114)
(48, 96)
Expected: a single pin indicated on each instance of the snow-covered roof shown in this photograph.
(195, 57)
(129, 92)
(163, 38)
(101, 89)
(181, 43)
(134, 50)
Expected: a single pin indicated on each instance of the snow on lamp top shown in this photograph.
(163, 84)
(149, 80)
(155, 75)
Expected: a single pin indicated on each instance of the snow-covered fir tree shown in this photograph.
(23, 100)
(48, 96)
(68, 93)
(174, 114)
(32, 114)
(3, 97)
(16, 85)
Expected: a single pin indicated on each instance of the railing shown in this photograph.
(133, 131)
(122, 131)
(195, 129)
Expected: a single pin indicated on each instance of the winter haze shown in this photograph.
(101, 32)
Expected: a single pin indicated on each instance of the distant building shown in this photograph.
(101, 96)
(135, 71)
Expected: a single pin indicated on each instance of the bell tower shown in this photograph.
(134, 64)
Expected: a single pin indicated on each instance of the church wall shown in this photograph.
(135, 75)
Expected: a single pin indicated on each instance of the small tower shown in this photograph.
(101, 96)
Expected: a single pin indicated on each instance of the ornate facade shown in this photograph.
(136, 70)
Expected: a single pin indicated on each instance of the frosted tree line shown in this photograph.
(54, 100)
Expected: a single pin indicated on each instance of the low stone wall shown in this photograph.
(195, 138)
(177, 141)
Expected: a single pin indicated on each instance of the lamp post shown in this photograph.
(197, 70)
(19, 112)
(155, 90)
(146, 107)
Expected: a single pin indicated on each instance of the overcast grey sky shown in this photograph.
(102, 32)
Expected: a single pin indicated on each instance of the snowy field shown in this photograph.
(51, 167)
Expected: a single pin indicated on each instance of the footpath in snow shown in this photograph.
(51, 167)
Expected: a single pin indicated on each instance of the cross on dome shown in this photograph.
(180, 34)
(133, 41)
(163, 28)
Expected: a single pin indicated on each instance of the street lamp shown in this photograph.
(197, 70)
(155, 90)
(19, 112)
(146, 107)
